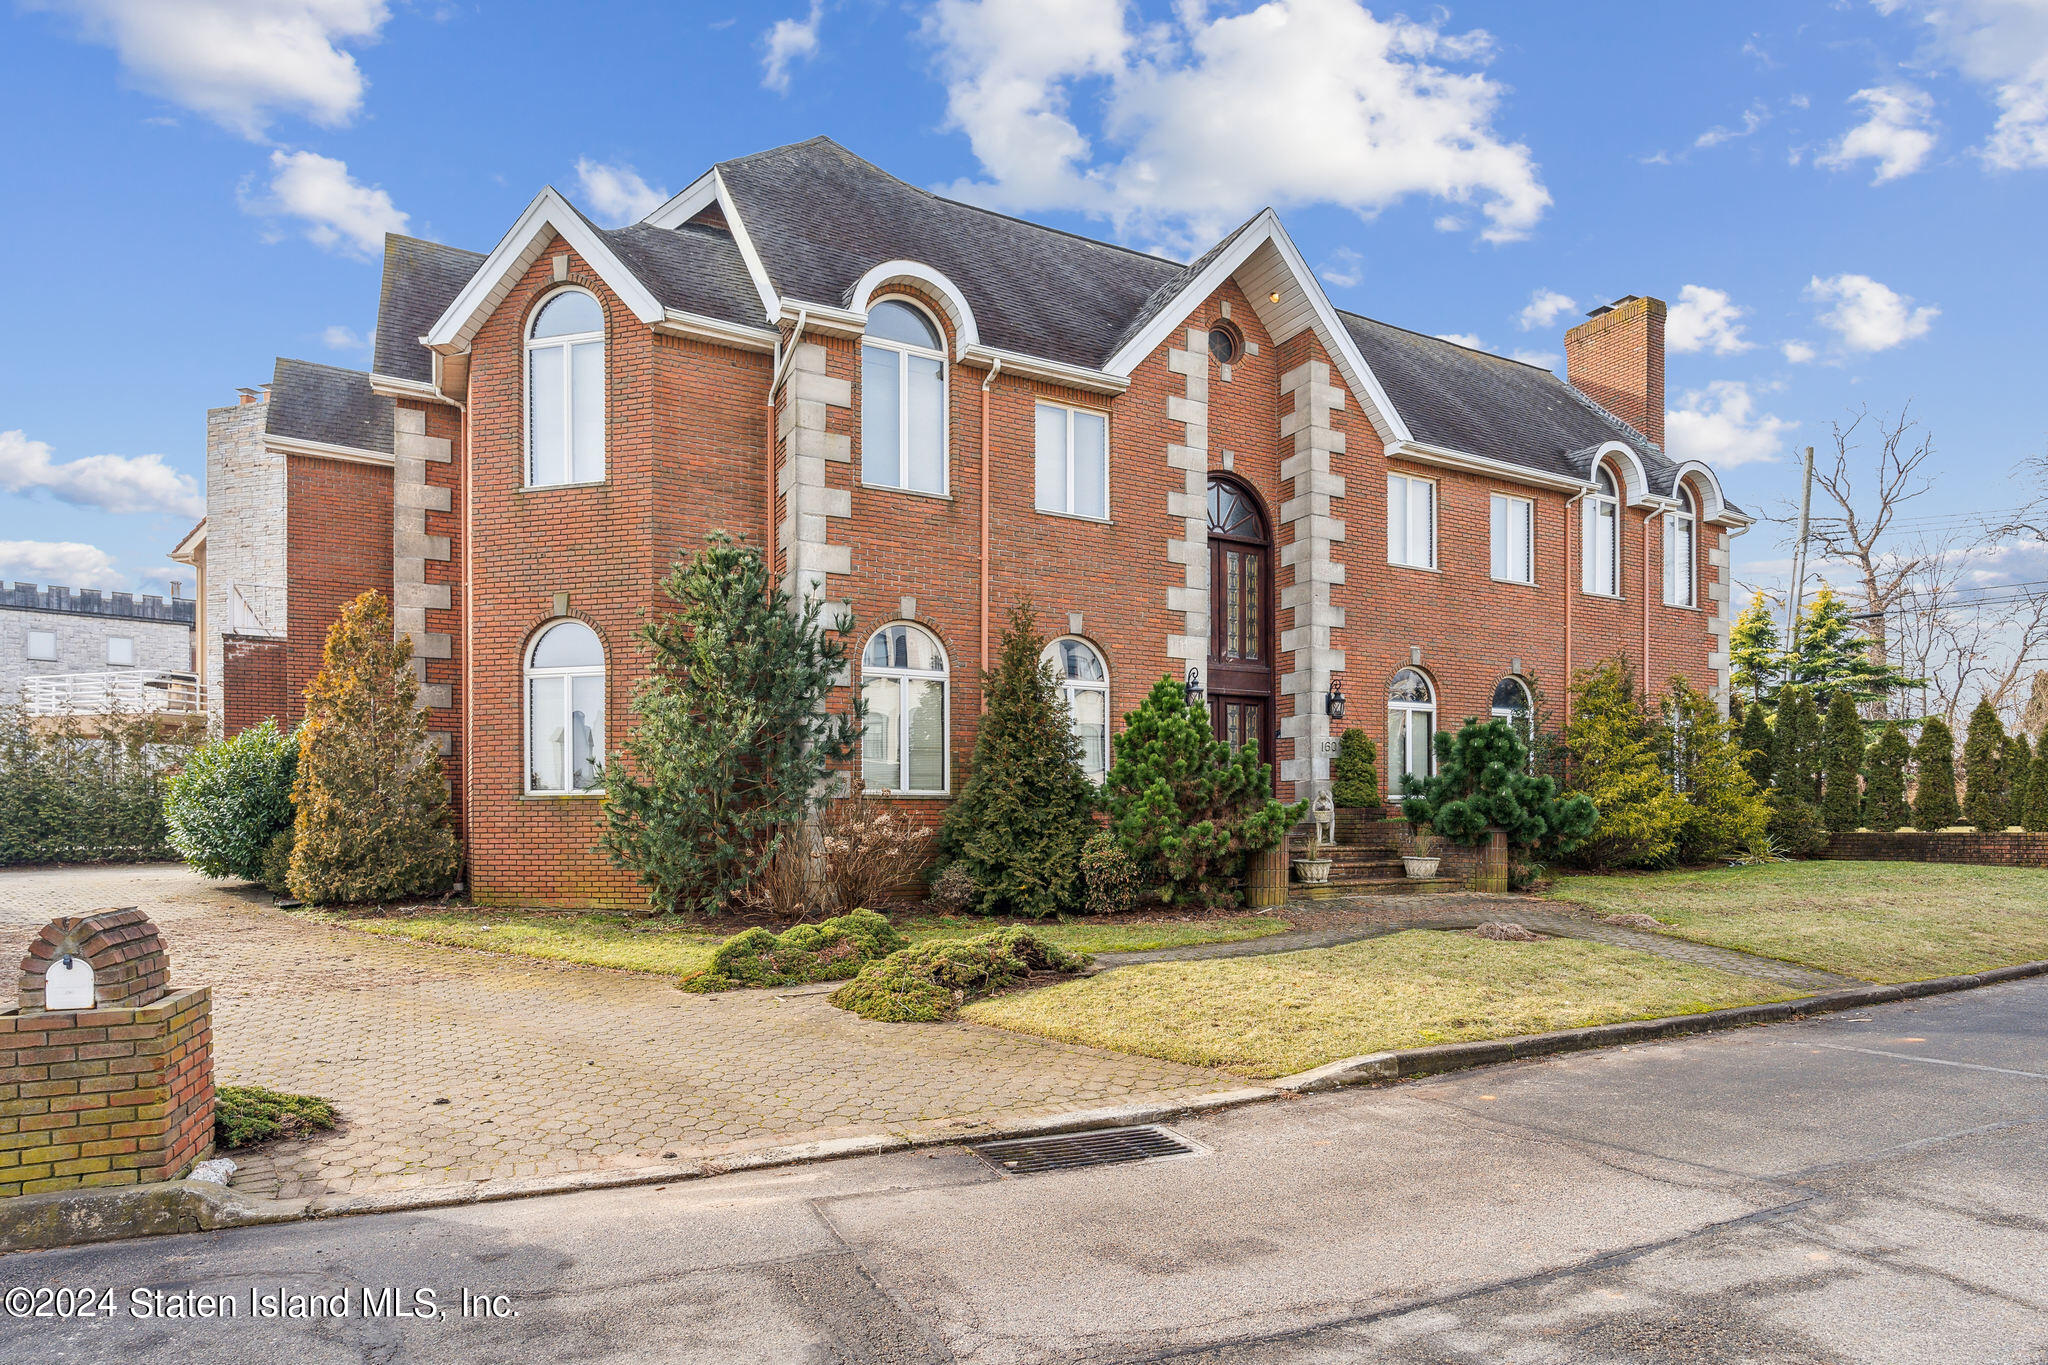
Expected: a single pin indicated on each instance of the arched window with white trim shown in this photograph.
(565, 710)
(565, 391)
(903, 399)
(903, 683)
(1681, 551)
(1600, 536)
(1411, 728)
(1513, 704)
(1084, 685)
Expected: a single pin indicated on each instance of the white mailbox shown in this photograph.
(68, 984)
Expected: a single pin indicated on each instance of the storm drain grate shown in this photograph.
(1069, 1151)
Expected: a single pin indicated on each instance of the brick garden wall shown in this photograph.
(1984, 850)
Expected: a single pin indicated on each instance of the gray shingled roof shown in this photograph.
(694, 268)
(821, 217)
(420, 280)
(310, 402)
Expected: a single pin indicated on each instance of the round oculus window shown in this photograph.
(1224, 345)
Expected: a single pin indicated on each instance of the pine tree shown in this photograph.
(2015, 775)
(1611, 746)
(1884, 781)
(1027, 809)
(1834, 656)
(1482, 782)
(1354, 778)
(373, 821)
(1795, 747)
(2034, 813)
(1934, 770)
(1725, 809)
(1189, 809)
(1841, 742)
(1983, 747)
(1756, 744)
(733, 741)
(1755, 653)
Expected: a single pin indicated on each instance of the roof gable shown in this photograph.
(421, 279)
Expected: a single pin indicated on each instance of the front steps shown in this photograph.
(1369, 869)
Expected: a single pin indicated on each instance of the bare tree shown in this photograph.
(1859, 533)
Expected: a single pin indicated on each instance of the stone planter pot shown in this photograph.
(1313, 871)
(1420, 869)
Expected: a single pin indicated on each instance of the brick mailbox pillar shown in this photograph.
(106, 1072)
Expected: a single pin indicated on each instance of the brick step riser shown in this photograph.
(1433, 886)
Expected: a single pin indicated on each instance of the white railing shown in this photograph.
(256, 609)
(124, 691)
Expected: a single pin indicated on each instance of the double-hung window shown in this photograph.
(1681, 552)
(1073, 461)
(1514, 539)
(1411, 521)
(902, 400)
(1600, 537)
(565, 391)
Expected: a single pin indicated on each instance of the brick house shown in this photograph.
(1200, 470)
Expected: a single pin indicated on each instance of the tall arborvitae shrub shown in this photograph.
(231, 800)
(1884, 781)
(79, 789)
(1611, 746)
(2034, 810)
(1725, 810)
(1355, 780)
(2015, 773)
(1482, 782)
(1755, 742)
(1841, 742)
(1188, 807)
(733, 742)
(1983, 749)
(1934, 772)
(373, 821)
(1795, 745)
(1027, 809)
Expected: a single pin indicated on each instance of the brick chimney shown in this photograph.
(1616, 358)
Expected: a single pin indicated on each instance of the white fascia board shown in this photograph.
(411, 390)
(321, 450)
(706, 190)
(1267, 228)
(678, 209)
(1718, 507)
(1049, 371)
(1422, 453)
(1635, 477)
(823, 317)
(185, 549)
(521, 247)
(716, 330)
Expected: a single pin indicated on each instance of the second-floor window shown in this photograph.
(565, 391)
(902, 400)
(1411, 521)
(1073, 461)
(42, 645)
(1681, 552)
(1600, 537)
(1514, 539)
(121, 651)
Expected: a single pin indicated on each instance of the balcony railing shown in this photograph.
(129, 691)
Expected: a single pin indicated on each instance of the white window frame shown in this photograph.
(1406, 485)
(1069, 409)
(1596, 508)
(564, 344)
(1681, 562)
(1512, 506)
(527, 675)
(1395, 762)
(904, 350)
(903, 677)
(128, 640)
(40, 658)
(1070, 687)
(1527, 728)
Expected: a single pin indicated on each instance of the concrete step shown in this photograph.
(1403, 886)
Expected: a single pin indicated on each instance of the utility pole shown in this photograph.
(1796, 597)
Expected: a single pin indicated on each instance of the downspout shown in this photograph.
(785, 359)
(1569, 522)
(468, 629)
(993, 371)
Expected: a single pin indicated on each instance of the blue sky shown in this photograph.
(1842, 201)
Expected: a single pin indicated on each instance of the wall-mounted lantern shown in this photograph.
(1334, 702)
(1193, 686)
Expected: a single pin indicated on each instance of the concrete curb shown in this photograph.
(62, 1218)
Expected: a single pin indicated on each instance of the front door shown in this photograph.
(1240, 620)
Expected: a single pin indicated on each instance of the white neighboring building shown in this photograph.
(84, 649)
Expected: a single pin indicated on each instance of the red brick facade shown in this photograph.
(252, 682)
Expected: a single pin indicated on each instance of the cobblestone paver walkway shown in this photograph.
(1392, 915)
(451, 1066)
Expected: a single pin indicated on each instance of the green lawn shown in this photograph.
(675, 947)
(1271, 1016)
(1878, 921)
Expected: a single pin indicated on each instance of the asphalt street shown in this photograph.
(1864, 1187)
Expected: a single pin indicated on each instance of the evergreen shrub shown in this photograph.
(931, 981)
(1108, 875)
(831, 950)
(230, 801)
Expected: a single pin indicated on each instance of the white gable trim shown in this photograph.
(708, 189)
(549, 213)
(965, 331)
(1635, 479)
(1264, 229)
(1716, 507)
(323, 450)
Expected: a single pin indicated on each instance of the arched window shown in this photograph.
(903, 683)
(903, 400)
(1411, 728)
(565, 710)
(565, 391)
(1600, 536)
(1681, 551)
(1511, 703)
(1084, 682)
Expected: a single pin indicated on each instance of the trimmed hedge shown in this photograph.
(931, 981)
(77, 793)
(828, 951)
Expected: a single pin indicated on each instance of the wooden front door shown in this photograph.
(1241, 600)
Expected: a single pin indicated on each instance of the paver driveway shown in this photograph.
(452, 1066)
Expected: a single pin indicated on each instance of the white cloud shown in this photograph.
(1463, 339)
(1542, 360)
(1187, 152)
(1798, 352)
(70, 563)
(1753, 118)
(112, 483)
(1345, 268)
(241, 63)
(1544, 308)
(336, 211)
(616, 193)
(2003, 46)
(1720, 425)
(787, 42)
(340, 338)
(1869, 316)
(1897, 133)
(1705, 319)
